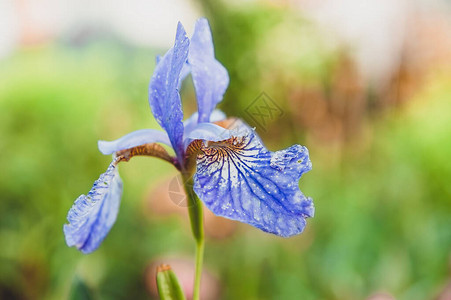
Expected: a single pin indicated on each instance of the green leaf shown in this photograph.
(168, 285)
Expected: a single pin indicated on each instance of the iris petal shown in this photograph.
(222, 129)
(191, 122)
(241, 180)
(164, 98)
(92, 215)
(186, 69)
(210, 78)
(134, 139)
(209, 132)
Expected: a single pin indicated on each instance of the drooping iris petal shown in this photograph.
(92, 215)
(209, 76)
(164, 98)
(241, 180)
(133, 139)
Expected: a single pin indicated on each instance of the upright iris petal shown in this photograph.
(186, 69)
(92, 215)
(164, 97)
(209, 76)
(241, 180)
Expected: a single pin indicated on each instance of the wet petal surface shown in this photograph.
(164, 97)
(92, 215)
(241, 180)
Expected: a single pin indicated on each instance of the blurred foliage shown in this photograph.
(383, 213)
(80, 291)
(55, 103)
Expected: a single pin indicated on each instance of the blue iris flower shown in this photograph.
(235, 176)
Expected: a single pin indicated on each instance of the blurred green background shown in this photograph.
(380, 150)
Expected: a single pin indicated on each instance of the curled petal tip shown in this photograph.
(296, 156)
(103, 147)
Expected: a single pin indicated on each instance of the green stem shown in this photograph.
(197, 228)
(199, 261)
